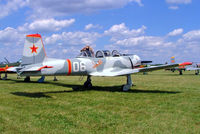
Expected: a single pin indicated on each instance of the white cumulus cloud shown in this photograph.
(193, 35)
(175, 32)
(173, 4)
(178, 1)
(92, 26)
(11, 36)
(121, 31)
(11, 6)
(65, 7)
(73, 38)
(141, 40)
(173, 7)
(46, 25)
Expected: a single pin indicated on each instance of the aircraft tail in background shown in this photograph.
(33, 50)
(172, 59)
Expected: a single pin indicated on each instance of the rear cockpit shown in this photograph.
(107, 53)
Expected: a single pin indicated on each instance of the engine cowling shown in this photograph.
(136, 61)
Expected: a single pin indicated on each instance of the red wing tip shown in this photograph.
(185, 63)
(34, 35)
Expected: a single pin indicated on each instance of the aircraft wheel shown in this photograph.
(27, 79)
(126, 87)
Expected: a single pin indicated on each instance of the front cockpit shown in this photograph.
(84, 54)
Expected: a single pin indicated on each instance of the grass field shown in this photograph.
(161, 102)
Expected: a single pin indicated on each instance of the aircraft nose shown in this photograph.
(136, 57)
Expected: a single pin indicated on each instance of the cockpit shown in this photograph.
(100, 54)
(84, 54)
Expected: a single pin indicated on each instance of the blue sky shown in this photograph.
(154, 30)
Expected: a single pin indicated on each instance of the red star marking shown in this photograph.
(34, 49)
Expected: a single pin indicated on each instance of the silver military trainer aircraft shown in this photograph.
(103, 63)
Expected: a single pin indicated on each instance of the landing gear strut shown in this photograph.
(88, 83)
(41, 80)
(196, 72)
(27, 79)
(55, 79)
(5, 77)
(180, 72)
(129, 83)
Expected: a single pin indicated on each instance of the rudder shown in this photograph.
(33, 50)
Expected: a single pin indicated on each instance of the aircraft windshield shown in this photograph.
(115, 53)
(106, 53)
(83, 54)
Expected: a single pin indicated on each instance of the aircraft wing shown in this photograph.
(153, 68)
(114, 72)
(120, 72)
(192, 68)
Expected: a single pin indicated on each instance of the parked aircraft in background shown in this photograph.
(103, 63)
(180, 68)
(6, 65)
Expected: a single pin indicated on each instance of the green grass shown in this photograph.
(161, 103)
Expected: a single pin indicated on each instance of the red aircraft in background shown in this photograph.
(4, 66)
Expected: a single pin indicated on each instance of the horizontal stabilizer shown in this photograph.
(35, 68)
(14, 69)
(28, 69)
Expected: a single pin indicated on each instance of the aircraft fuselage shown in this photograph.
(84, 66)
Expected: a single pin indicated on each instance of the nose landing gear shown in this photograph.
(129, 83)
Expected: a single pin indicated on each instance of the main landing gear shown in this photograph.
(196, 72)
(5, 77)
(27, 79)
(55, 79)
(180, 72)
(41, 80)
(88, 83)
(129, 83)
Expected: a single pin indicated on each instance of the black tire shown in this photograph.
(88, 84)
(27, 79)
